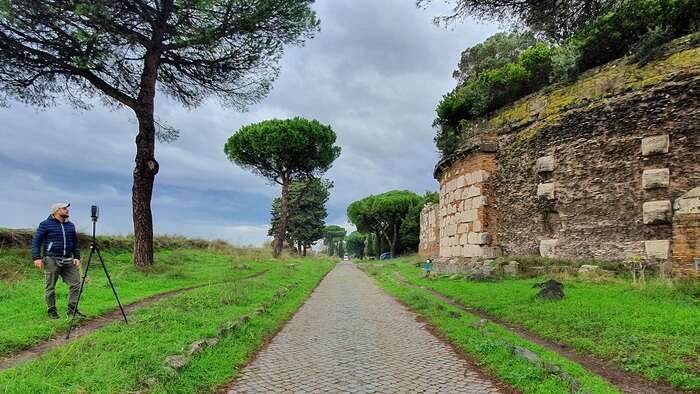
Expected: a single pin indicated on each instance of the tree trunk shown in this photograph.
(395, 236)
(145, 172)
(284, 218)
(380, 244)
(304, 251)
(146, 166)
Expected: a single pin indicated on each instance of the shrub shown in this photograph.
(615, 34)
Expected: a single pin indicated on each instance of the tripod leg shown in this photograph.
(80, 293)
(104, 267)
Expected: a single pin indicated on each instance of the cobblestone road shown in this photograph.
(351, 337)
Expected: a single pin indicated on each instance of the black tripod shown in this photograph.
(94, 249)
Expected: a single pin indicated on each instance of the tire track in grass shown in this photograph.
(624, 381)
(90, 326)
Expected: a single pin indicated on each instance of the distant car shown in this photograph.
(385, 256)
(346, 258)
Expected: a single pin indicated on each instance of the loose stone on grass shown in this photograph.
(176, 362)
(480, 324)
(550, 290)
(528, 355)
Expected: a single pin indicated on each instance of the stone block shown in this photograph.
(460, 182)
(655, 145)
(689, 203)
(476, 226)
(657, 212)
(546, 190)
(545, 164)
(463, 228)
(479, 238)
(491, 252)
(548, 247)
(470, 215)
(463, 239)
(451, 229)
(652, 179)
(478, 202)
(658, 249)
(473, 251)
(472, 191)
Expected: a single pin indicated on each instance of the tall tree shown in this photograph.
(284, 151)
(554, 19)
(409, 231)
(382, 214)
(124, 51)
(307, 212)
(355, 244)
(331, 234)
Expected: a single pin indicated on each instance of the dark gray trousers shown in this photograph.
(70, 276)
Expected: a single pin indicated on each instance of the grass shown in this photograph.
(130, 358)
(653, 332)
(21, 287)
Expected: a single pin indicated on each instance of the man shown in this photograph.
(61, 256)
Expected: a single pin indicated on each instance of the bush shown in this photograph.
(615, 34)
(491, 89)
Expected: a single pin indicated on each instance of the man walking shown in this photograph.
(61, 256)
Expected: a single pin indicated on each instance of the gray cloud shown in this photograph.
(375, 73)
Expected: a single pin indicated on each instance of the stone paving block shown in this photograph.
(350, 337)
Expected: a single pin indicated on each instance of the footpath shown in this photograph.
(351, 337)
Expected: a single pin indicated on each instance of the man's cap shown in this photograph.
(55, 207)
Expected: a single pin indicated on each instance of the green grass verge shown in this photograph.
(22, 303)
(653, 332)
(128, 358)
(492, 346)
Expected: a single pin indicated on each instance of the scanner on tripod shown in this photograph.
(94, 214)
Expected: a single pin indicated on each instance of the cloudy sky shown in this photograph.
(374, 72)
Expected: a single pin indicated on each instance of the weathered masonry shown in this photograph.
(606, 167)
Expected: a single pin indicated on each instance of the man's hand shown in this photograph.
(76, 263)
(38, 263)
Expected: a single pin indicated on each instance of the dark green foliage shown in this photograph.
(284, 151)
(650, 44)
(491, 89)
(355, 244)
(554, 20)
(295, 148)
(409, 231)
(307, 212)
(497, 51)
(616, 33)
(332, 236)
(382, 214)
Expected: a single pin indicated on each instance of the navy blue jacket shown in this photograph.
(60, 239)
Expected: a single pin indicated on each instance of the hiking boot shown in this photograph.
(77, 313)
(53, 315)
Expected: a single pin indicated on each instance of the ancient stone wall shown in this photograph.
(589, 170)
(465, 230)
(429, 246)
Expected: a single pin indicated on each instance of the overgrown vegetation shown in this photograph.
(652, 331)
(508, 66)
(131, 358)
